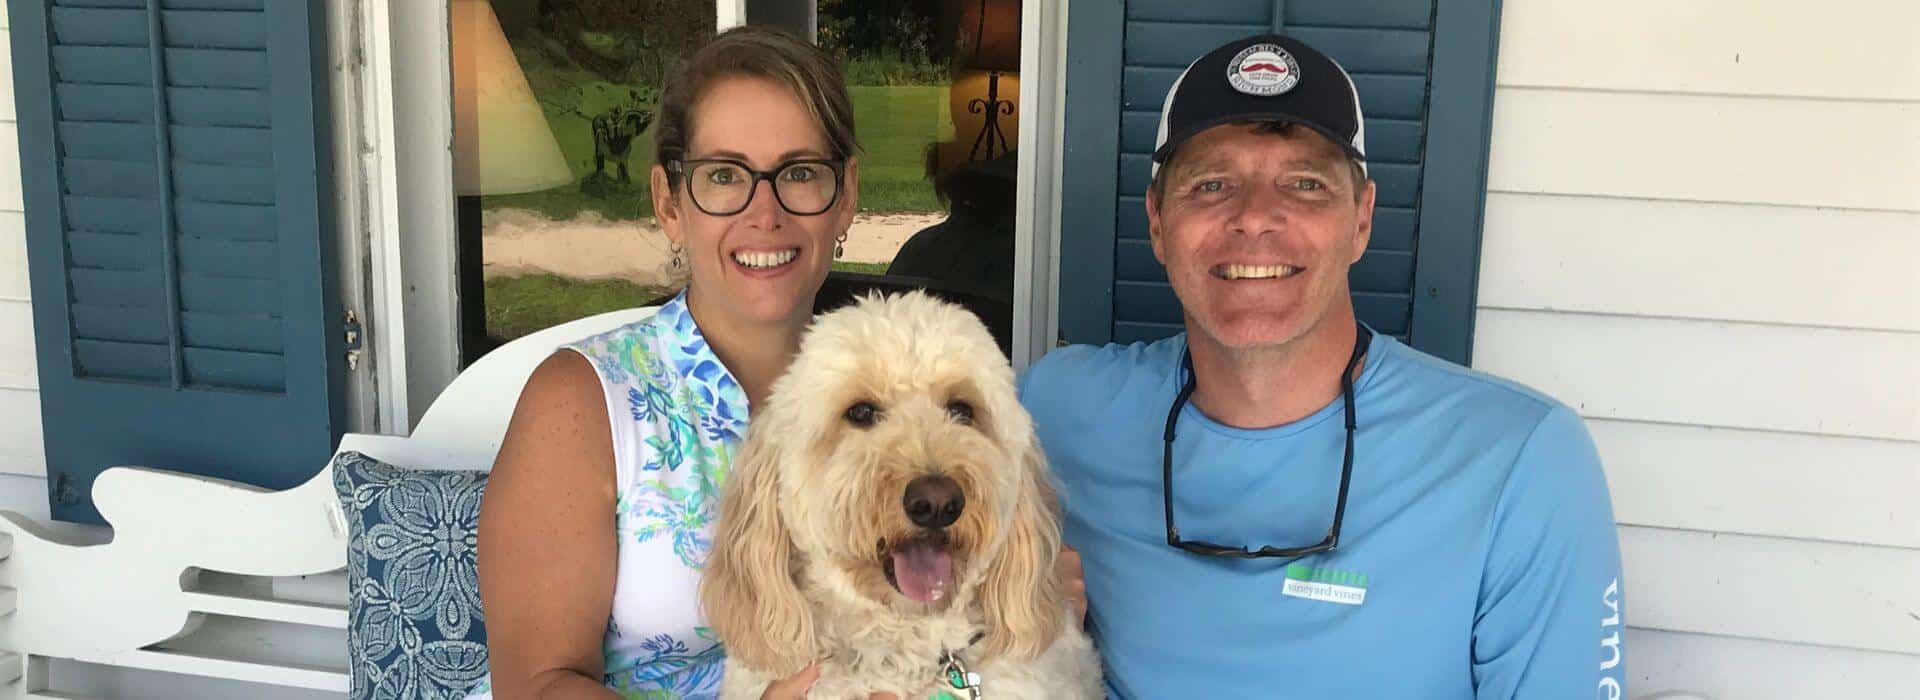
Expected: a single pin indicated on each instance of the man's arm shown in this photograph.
(1551, 619)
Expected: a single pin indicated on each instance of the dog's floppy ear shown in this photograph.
(747, 589)
(1020, 597)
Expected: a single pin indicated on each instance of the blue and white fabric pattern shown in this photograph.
(414, 624)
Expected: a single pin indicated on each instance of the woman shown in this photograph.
(635, 427)
(756, 185)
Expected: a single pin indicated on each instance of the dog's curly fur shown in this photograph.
(798, 569)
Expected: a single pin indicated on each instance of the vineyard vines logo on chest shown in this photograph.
(1264, 70)
(1324, 584)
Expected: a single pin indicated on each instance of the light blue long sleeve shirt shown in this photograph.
(1478, 558)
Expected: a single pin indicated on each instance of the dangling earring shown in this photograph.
(675, 247)
(840, 245)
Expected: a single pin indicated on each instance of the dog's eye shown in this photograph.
(961, 411)
(862, 414)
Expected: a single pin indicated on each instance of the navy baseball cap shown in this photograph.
(1269, 77)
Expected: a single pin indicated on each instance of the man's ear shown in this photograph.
(1153, 222)
(664, 210)
(1363, 223)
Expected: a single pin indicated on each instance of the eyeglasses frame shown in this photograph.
(683, 168)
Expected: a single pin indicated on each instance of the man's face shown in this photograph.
(1257, 229)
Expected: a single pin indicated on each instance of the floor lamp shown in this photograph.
(994, 33)
(502, 144)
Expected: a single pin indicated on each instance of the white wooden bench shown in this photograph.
(185, 549)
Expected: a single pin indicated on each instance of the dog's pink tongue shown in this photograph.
(923, 571)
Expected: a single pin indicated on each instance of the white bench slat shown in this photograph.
(330, 616)
(230, 669)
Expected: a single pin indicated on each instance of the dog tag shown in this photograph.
(963, 684)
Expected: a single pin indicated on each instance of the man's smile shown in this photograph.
(1236, 271)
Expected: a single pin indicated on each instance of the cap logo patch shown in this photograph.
(1264, 70)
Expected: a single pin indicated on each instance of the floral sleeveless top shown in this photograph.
(678, 417)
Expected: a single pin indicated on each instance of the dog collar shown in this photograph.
(956, 682)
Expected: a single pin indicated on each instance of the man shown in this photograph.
(1281, 503)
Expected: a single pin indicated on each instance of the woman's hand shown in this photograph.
(1073, 583)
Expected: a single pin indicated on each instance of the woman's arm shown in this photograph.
(547, 544)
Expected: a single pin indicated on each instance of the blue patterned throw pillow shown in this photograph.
(413, 616)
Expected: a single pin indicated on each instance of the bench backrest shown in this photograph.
(464, 426)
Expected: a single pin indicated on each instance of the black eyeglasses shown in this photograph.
(1346, 470)
(724, 187)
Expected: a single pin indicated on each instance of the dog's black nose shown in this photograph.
(933, 501)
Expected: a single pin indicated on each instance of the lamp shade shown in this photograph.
(502, 143)
(990, 35)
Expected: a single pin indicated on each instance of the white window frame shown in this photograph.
(403, 201)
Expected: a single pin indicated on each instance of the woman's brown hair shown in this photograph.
(758, 52)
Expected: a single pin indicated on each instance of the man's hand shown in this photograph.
(1073, 583)
(793, 687)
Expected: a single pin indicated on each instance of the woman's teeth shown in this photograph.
(762, 260)
(1256, 272)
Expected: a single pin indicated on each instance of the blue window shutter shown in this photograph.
(1424, 70)
(176, 174)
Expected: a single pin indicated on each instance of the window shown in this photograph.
(554, 101)
(554, 104)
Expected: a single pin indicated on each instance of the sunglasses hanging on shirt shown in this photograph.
(1332, 540)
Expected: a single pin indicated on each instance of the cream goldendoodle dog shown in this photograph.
(890, 516)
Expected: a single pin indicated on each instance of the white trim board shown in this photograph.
(1710, 373)
(346, 72)
(1815, 153)
(1042, 136)
(1850, 49)
(1815, 487)
(1764, 264)
(728, 14)
(385, 322)
(413, 129)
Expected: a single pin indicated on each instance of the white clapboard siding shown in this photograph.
(1737, 375)
(16, 345)
(1781, 484)
(1857, 49)
(1820, 153)
(10, 168)
(21, 449)
(1768, 588)
(1725, 668)
(6, 71)
(1823, 267)
(24, 494)
(13, 256)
